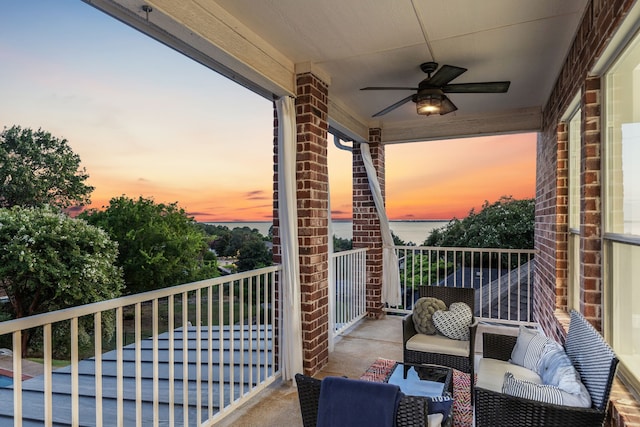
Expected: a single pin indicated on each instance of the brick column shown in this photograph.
(313, 226)
(366, 224)
(562, 215)
(590, 202)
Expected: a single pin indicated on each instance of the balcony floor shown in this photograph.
(354, 352)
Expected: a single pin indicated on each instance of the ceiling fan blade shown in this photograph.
(388, 88)
(485, 87)
(393, 106)
(445, 74)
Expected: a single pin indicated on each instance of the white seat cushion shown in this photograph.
(491, 374)
(438, 344)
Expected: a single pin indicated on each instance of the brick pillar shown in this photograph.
(590, 202)
(313, 225)
(562, 215)
(366, 224)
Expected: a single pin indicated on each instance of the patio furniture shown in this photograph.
(411, 411)
(438, 349)
(592, 358)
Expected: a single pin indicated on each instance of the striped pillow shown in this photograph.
(543, 392)
(528, 390)
(528, 348)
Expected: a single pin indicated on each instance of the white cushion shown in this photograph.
(491, 374)
(438, 344)
(528, 348)
(454, 323)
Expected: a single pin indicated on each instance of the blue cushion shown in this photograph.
(355, 403)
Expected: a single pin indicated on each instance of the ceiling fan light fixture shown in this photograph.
(447, 106)
(430, 101)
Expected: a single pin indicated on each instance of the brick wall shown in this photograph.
(550, 282)
(366, 224)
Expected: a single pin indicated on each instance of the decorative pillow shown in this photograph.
(543, 392)
(440, 404)
(454, 323)
(528, 348)
(556, 369)
(422, 312)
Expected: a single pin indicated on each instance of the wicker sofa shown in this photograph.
(436, 349)
(411, 411)
(592, 358)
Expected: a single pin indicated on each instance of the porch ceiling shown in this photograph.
(357, 43)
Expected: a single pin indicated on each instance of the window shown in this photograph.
(621, 208)
(573, 280)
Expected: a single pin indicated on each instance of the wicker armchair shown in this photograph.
(448, 295)
(412, 410)
(591, 356)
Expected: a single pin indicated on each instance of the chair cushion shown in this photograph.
(491, 374)
(438, 344)
(543, 392)
(454, 323)
(528, 348)
(423, 309)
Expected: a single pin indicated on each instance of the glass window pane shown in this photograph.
(625, 272)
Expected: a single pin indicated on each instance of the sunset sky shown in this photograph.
(147, 121)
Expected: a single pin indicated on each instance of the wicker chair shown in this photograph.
(591, 356)
(412, 410)
(448, 295)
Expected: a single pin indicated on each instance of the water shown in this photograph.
(409, 231)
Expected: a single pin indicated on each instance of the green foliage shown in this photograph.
(254, 254)
(160, 245)
(421, 270)
(507, 224)
(246, 244)
(340, 244)
(38, 169)
(49, 261)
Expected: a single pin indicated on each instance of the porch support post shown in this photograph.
(313, 226)
(366, 224)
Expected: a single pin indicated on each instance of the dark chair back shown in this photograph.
(450, 295)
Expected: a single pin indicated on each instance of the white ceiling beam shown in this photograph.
(208, 34)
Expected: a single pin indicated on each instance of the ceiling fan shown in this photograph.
(430, 95)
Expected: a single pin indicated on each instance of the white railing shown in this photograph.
(186, 355)
(503, 278)
(350, 278)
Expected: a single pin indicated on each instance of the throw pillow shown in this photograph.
(454, 323)
(529, 390)
(543, 392)
(556, 369)
(422, 314)
(528, 348)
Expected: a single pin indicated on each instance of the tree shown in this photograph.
(160, 245)
(508, 223)
(37, 169)
(253, 254)
(49, 261)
